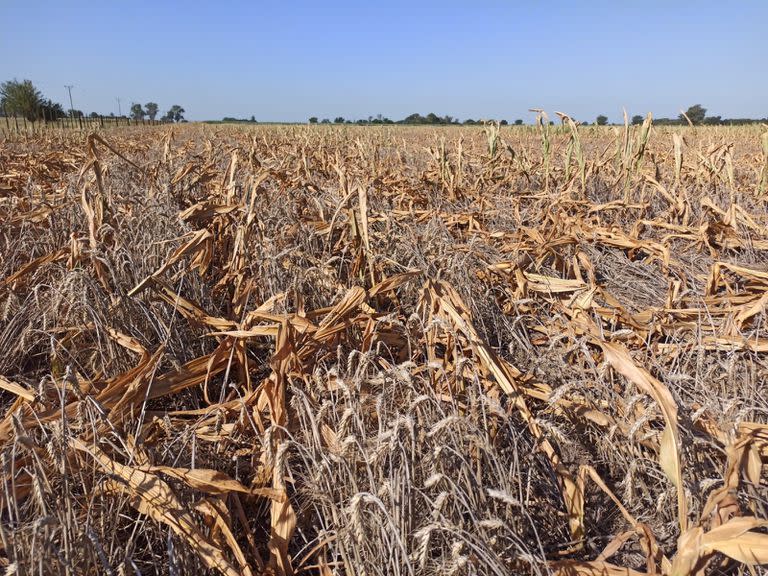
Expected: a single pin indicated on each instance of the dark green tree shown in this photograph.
(637, 120)
(601, 120)
(176, 113)
(51, 111)
(518, 122)
(152, 109)
(338, 120)
(695, 113)
(21, 99)
(414, 119)
(313, 120)
(137, 112)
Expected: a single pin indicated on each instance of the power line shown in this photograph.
(119, 109)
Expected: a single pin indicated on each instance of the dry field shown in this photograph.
(384, 351)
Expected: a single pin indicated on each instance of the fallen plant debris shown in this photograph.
(347, 350)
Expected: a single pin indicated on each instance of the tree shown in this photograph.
(338, 120)
(253, 119)
(137, 112)
(21, 99)
(414, 119)
(51, 110)
(637, 120)
(503, 123)
(93, 115)
(151, 108)
(325, 121)
(695, 113)
(176, 113)
(601, 120)
(518, 122)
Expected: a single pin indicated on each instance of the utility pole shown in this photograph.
(119, 110)
(71, 106)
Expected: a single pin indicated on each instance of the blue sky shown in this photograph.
(486, 58)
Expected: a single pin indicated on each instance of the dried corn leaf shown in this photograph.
(669, 455)
(153, 497)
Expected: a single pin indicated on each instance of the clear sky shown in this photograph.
(289, 60)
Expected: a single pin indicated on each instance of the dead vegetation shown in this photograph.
(384, 351)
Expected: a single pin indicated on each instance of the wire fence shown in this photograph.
(20, 125)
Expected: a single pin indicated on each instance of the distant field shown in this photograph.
(388, 350)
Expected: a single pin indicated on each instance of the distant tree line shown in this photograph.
(413, 119)
(251, 120)
(23, 99)
(696, 114)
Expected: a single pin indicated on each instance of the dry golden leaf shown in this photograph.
(17, 389)
(269, 330)
(750, 548)
(449, 304)
(393, 282)
(15, 279)
(153, 497)
(748, 311)
(736, 539)
(669, 456)
(590, 568)
(549, 284)
(215, 482)
(218, 512)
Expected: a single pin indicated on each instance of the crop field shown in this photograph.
(384, 350)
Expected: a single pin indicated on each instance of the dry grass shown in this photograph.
(384, 351)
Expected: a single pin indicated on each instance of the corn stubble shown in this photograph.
(385, 351)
